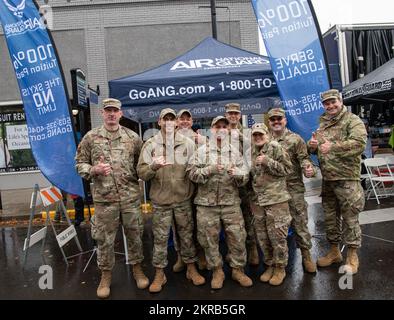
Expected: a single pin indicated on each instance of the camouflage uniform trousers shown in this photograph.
(248, 218)
(271, 226)
(105, 223)
(163, 217)
(209, 222)
(199, 249)
(299, 213)
(343, 200)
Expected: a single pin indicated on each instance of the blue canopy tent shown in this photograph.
(203, 80)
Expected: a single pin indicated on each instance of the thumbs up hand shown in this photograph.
(326, 146)
(313, 143)
(102, 169)
(158, 162)
(308, 171)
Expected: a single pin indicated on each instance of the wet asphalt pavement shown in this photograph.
(375, 279)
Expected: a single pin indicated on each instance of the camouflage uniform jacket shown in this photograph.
(169, 184)
(348, 136)
(217, 189)
(121, 150)
(297, 150)
(269, 181)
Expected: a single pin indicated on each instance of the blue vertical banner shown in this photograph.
(42, 87)
(292, 38)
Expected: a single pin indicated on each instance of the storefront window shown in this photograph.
(15, 151)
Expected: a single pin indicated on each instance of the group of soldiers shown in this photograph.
(248, 185)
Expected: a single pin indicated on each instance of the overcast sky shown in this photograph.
(331, 12)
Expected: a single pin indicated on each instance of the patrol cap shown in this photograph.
(259, 128)
(111, 103)
(276, 112)
(233, 107)
(166, 111)
(181, 112)
(217, 119)
(330, 94)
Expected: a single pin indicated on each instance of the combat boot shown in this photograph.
(253, 255)
(193, 275)
(278, 277)
(267, 275)
(139, 277)
(351, 265)
(239, 275)
(309, 265)
(202, 261)
(179, 266)
(103, 289)
(333, 256)
(159, 281)
(217, 278)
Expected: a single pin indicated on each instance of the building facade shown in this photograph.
(111, 39)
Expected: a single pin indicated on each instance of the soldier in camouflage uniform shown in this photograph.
(241, 139)
(339, 143)
(270, 166)
(108, 156)
(184, 122)
(302, 164)
(163, 161)
(219, 170)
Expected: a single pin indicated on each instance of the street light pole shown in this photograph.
(213, 16)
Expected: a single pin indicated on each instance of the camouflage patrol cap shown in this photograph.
(111, 103)
(166, 111)
(276, 112)
(259, 128)
(181, 112)
(233, 107)
(330, 94)
(217, 119)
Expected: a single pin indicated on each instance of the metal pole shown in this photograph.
(144, 185)
(32, 213)
(213, 17)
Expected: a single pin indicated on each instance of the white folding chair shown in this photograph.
(379, 174)
(390, 161)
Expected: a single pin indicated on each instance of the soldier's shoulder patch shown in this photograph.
(130, 133)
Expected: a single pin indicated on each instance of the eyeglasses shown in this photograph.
(275, 119)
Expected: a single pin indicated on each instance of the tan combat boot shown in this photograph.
(267, 275)
(103, 289)
(351, 265)
(239, 275)
(179, 265)
(278, 277)
(333, 256)
(193, 275)
(217, 278)
(309, 265)
(139, 277)
(253, 255)
(202, 261)
(159, 281)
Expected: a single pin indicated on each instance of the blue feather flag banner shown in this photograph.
(42, 87)
(293, 41)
